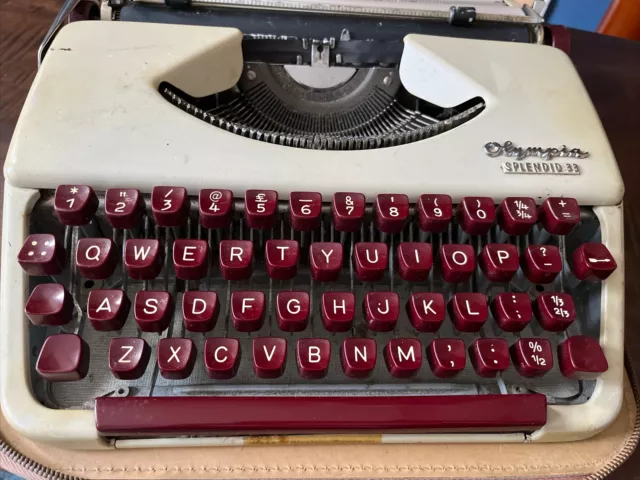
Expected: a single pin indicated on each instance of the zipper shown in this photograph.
(31, 465)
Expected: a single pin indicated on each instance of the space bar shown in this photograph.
(170, 416)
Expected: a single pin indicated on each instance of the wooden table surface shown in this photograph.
(610, 68)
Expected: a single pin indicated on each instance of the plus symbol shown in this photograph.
(562, 203)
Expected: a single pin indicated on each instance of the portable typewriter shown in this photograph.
(375, 221)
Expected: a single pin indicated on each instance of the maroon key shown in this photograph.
(338, 311)
(304, 210)
(457, 262)
(236, 258)
(541, 263)
(96, 258)
(41, 255)
(489, 356)
(124, 207)
(517, 215)
(170, 206)
(176, 357)
(581, 357)
(403, 357)
(325, 259)
(215, 207)
(348, 211)
(313, 356)
(554, 311)
(75, 205)
(446, 357)
(269, 356)
(358, 356)
(143, 258)
(247, 310)
(281, 258)
(391, 212)
(414, 261)
(63, 358)
(190, 258)
(532, 357)
(499, 261)
(260, 208)
(107, 310)
(468, 311)
(370, 259)
(476, 215)
(292, 310)
(592, 261)
(153, 310)
(434, 212)
(200, 310)
(49, 304)
(512, 311)
(128, 357)
(559, 215)
(426, 311)
(381, 310)
(221, 357)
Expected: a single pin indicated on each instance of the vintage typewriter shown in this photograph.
(399, 221)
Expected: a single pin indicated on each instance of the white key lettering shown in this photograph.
(456, 257)
(195, 303)
(151, 306)
(245, 303)
(236, 252)
(188, 252)
(174, 354)
(314, 354)
(105, 306)
(410, 354)
(128, 349)
(215, 354)
(296, 306)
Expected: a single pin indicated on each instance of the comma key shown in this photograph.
(446, 357)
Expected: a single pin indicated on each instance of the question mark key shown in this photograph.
(541, 263)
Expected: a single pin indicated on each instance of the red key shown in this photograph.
(313, 356)
(96, 258)
(49, 304)
(348, 211)
(381, 310)
(532, 357)
(260, 207)
(559, 215)
(124, 207)
(41, 255)
(489, 356)
(512, 311)
(541, 263)
(269, 356)
(63, 358)
(338, 311)
(554, 311)
(414, 261)
(592, 261)
(391, 212)
(499, 262)
(107, 310)
(75, 205)
(370, 260)
(403, 357)
(215, 207)
(581, 357)
(305, 209)
(358, 356)
(325, 259)
(170, 206)
(176, 357)
(426, 311)
(221, 357)
(468, 311)
(446, 357)
(143, 258)
(517, 215)
(128, 357)
(458, 262)
(476, 215)
(153, 310)
(247, 310)
(281, 258)
(292, 311)
(434, 212)
(236, 258)
(190, 258)
(200, 310)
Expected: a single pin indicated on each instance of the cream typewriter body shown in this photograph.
(213, 230)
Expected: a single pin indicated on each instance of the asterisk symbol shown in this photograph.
(74, 190)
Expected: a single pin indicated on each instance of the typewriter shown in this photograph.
(252, 222)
